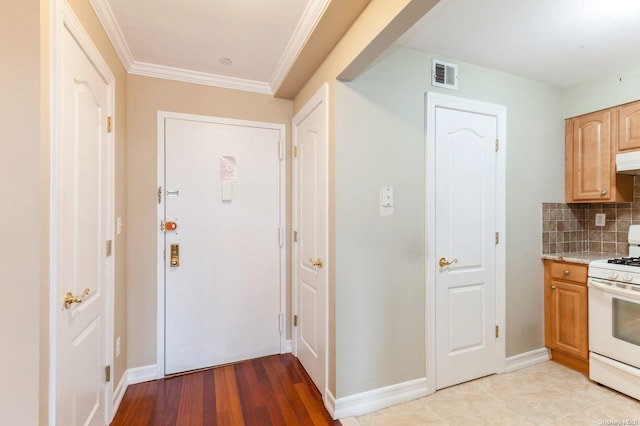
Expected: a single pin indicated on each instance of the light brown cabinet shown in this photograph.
(566, 313)
(591, 145)
(629, 127)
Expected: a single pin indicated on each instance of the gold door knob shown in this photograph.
(316, 262)
(70, 299)
(444, 262)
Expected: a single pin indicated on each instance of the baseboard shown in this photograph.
(288, 347)
(526, 359)
(118, 393)
(376, 399)
(142, 374)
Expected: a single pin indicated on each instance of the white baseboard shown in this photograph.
(141, 374)
(526, 359)
(119, 391)
(288, 347)
(376, 399)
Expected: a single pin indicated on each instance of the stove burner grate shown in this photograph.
(629, 261)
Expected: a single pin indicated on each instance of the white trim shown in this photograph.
(526, 359)
(160, 176)
(145, 373)
(110, 23)
(62, 15)
(376, 399)
(119, 392)
(320, 97)
(307, 23)
(433, 100)
(287, 346)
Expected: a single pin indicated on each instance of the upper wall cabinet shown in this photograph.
(591, 144)
(629, 127)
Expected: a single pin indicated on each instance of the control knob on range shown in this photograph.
(628, 278)
(613, 276)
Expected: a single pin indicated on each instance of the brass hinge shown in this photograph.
(109, 124)
(109, 247)
(295, 151)
(497, 331)
(497, 145)
(295, 320)
(295, 236)
(107, 374)
(497, 238)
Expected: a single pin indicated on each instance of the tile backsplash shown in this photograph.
(571, 227)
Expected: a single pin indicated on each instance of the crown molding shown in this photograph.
(197, 77)
(111, 27)
(310, 18)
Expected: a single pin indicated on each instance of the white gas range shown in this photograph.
(614, 320)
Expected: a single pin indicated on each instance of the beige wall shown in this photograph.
(85, 13)
(20, 215)
(147, 96)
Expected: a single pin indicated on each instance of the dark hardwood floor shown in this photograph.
(273, 390)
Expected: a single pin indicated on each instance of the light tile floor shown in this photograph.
(544, 394)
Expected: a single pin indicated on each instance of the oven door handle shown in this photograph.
(612, 287)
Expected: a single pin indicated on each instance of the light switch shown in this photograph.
(386, 201)
(600, 219)
(227, 191)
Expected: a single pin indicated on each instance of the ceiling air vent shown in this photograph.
(444, 74)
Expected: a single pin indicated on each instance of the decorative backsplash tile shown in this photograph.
(571, 227)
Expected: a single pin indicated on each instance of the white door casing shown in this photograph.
(310, 136)
(82, 214)
(225, 302)
(465, 215)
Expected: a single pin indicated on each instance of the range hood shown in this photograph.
(628, 163)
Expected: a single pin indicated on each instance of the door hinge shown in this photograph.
(159, 194)
(295, 236)
(497, 145)
(162, 227)
(295, 320)
(109, 247)
(107, 374)
(497, 331)
(295, 151)
(109, 124)
(497, 238)
(281, 149)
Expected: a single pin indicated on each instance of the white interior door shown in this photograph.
(465, 245)
(223, 272)
(310, 274)
(83, 263)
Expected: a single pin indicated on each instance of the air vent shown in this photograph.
(444, 74)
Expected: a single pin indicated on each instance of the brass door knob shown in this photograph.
(70, 299)
(444, 262)
(316, 262)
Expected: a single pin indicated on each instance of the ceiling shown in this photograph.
(253, 44)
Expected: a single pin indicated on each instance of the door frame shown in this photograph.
(62, 15)
(434, 100)
(160, 243)
(321, 97)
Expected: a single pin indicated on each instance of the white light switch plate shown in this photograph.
(600, 219)
(386, 201)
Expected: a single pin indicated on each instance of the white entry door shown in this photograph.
(83, 171)
(465, 238)
(310, 252)
(224, 240)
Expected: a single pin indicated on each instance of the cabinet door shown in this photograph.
(568, 319)
(590, 168)
(629, 127)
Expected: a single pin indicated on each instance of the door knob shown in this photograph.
(70, 299)
(444, 262)
(316, 262)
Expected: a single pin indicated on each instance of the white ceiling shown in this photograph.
(562, 42)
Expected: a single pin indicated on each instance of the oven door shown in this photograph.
(614, 320)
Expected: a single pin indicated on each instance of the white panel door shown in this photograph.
(83, 266)
(223, 192)
(465, 214)
(311, 246)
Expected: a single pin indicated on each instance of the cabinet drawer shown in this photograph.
(569, 272)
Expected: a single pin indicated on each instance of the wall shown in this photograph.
(379, 140)
(609, 90)
(147, 96)
(20, 216)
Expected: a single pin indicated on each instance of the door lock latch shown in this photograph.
(174, 260)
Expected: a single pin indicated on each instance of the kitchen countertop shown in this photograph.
(580, 256)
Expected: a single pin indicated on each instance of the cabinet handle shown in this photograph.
(566, 272)
(603, 192)
(553, 287)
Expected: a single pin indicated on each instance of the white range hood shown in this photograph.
(628, 163)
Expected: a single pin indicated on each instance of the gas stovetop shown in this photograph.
(630, 261)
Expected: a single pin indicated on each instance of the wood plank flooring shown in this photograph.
(273, 390)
